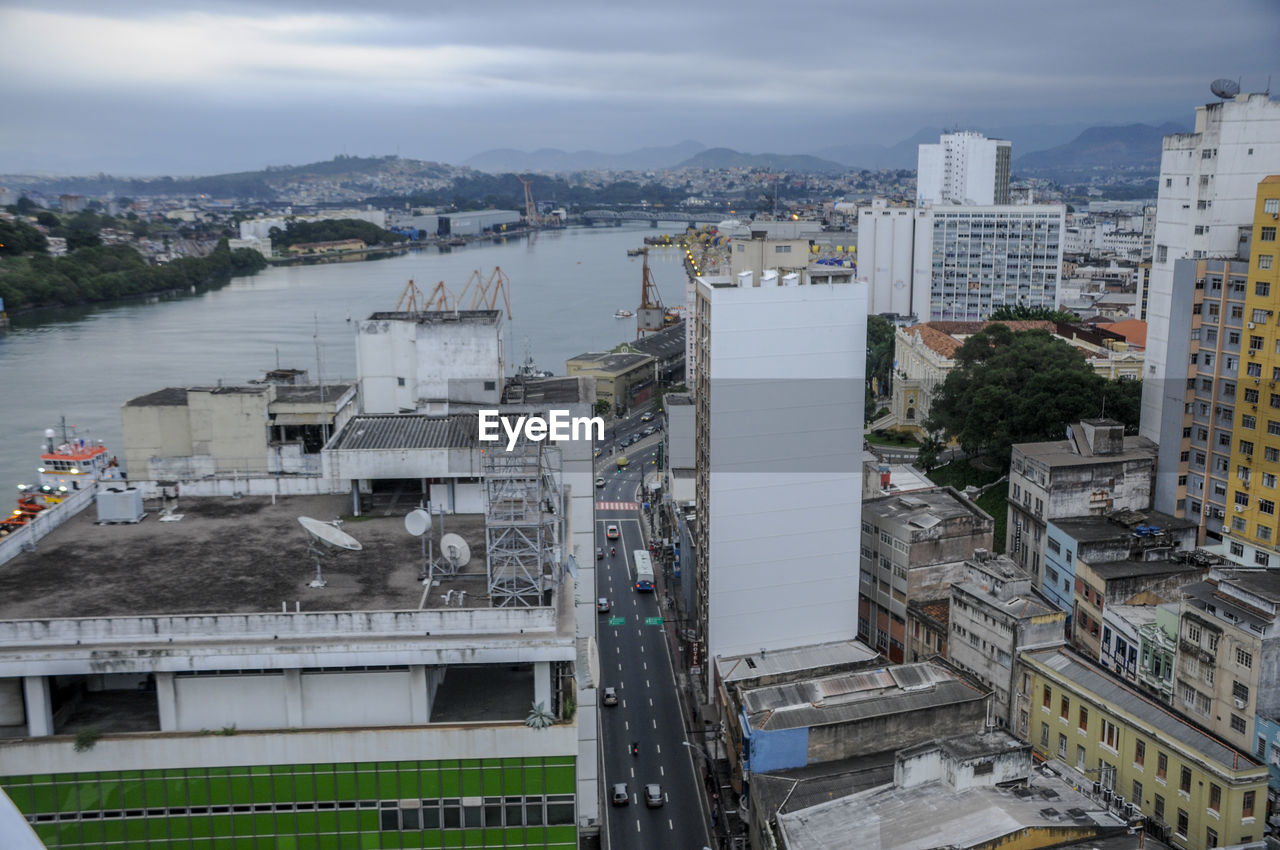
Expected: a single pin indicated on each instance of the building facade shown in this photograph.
(760, 462)
(624, 380)
(963, 168)
(886, 251)
(1193, 790)
(1207, 190)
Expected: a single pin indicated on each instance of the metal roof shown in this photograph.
(408, 431)
(1160, 720)
(756, 664)
(167, 397)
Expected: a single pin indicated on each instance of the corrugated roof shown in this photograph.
(167, 397)
(408, 431)
(1158, 718)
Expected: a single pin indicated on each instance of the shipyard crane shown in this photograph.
(485, 293)
(652, 315)
(413, 301)
(530, 208)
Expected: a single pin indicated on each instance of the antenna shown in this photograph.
(1224, 88)
(329, 536)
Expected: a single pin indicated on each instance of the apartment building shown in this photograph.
(963, 168)
(1254, 537)
(1194, 790)
(913, 547)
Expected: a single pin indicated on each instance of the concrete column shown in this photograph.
(167, 702)
(13, 711)
(39, 706)
(542, 683)
(355, 497)
(419, 696)
(293, 698)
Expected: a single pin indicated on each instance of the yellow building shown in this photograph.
(1190, 788)
(1254, 537)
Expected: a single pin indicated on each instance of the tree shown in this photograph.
(1010, 388)
(930, 448)
(603, 407)
(1024, 313)
(880, 337)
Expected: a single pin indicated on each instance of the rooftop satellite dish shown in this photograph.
(455, 550)
(417, 522)
(331, 537)
(1224, 88)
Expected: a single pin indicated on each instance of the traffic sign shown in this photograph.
(617, 621)
(653, 621)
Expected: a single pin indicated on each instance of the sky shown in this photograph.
(200, 87)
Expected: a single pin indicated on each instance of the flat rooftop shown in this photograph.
(1109, 570)
(1095, 529)
(229, 555)
(1061, 453)
(921, 508)
(756, 665)
(556, 390)
(285, 394)
(407, 431)
(607, 361)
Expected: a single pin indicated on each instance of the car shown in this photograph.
(611, 532)
(653, 795)
(621, 796)
(599, 483)
(599, 553)
(610, 696)
(647, 417)
(597, 452)
(622, 462)
(649, 430)
(602, 605)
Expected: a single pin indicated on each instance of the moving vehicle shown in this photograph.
(649, 430)
(623, 314)
(621, 796)
(599, 553)
(610, 696)
(602, 605)
(622, 462)
(653, 795)
(647, 416)
(644, 570)
(599, 483)
(611, 532)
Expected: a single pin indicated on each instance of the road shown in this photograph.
(634, 659)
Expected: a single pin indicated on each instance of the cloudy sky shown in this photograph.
(167, 86)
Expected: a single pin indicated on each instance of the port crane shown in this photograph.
(485, 293)
(530, 208)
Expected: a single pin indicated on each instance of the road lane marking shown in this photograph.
(646, 683)
(624, 703)
(637, 801)
(662, 771)
(655, 723)
(651, 702)
(670, 825)
(642, 647)
(659, 746)
(626, 725)
(633, 773)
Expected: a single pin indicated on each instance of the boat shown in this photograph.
(635, 252)
(69, 472)
(623, 314)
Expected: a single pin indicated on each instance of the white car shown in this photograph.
(599, 483)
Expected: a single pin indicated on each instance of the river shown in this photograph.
(86, 362)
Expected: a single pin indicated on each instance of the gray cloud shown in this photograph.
(211, 86)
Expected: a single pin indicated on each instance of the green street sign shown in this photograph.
(653, 621)
(617, 621)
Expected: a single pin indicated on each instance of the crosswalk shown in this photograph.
(617, 506)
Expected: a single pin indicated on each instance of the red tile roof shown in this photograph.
(942, 337)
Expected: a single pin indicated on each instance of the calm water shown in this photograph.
(84, 363)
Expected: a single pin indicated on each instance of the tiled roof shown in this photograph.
(1134, 331)
(409, 431)
(942, 337)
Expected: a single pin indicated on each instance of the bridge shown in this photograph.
(616, 218)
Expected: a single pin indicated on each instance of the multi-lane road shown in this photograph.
(634, 660)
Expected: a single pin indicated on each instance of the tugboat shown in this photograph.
(623, 314)
(65, 469)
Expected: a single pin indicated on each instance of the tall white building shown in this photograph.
(963, 168)
(972, 260)
(1208, 184)
(779, 381)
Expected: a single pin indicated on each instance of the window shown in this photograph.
(1244, 659)
(1065, 708)
(1157, 803)
(1237, 724)
(1270, 205)
(1260, 316)
(1262, 559)
(782, 249)
(1262, 288)
(1255, 343)
(1261, 750)
(1084, 719)
(1048, 696)
(1268, 480)
(1237, 549)
(1246, 805)
(1044, 735)
(1268, 234)
(1137, 793)
(1110, 734)
(1215, 797)
(1140, 753)
(1249, 422)
(400, 382)
(1184, 781)
(490, 385)
(1267, 506)
(1264, 261)
(1162, 765)
(1242, 499)
(1271, 453)
(1182, 824)
(1162, 253)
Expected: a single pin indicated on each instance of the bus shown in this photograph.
(644, 569)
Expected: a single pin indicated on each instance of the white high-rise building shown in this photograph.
(963, 168)
(886, 242)
(1208, 185)
(971, 260)
(779, 379)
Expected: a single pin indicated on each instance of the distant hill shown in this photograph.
(1132, 147)
(728, 158)
(510, 160)
(903, 154)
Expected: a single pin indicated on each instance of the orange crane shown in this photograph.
(530, 208)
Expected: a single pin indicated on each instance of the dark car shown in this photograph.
(647, 417)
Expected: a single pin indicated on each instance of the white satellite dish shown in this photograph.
(330, 535)
(417, 522)
(455, 550)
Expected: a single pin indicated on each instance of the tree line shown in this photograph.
(304, 232)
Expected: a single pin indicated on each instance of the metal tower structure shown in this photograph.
(530, 208)
(524, 523)
(652, 315)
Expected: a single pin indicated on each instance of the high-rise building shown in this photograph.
(886, 251)
(778, 386)
(1207, 189)
(1255, 444)
(963, 168)
(972, 260)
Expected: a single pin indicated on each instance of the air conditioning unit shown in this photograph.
(1250, 326)
(1133, 811)
(1106, 794)
(1240, 703)
(1226, 529)
(1239, 509)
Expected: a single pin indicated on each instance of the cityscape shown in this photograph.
(593, 429)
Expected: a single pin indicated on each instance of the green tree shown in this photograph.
(880, 336)
(18, 237)
(1024, 313)
(1010, 388)
(930, 448)
(47, 218)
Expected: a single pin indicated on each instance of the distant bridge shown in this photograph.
(616, 218)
